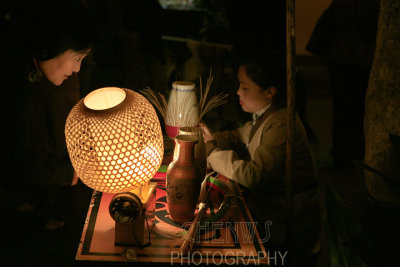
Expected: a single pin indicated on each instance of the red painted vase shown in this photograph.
(183, 180)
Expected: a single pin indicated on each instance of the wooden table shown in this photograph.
(232, 240)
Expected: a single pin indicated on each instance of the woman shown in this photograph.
(254, 156)
(55, 37)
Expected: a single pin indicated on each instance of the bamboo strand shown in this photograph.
(154, 99)
(201, 94)
(208, 85)
(190, 237)
(207, 89)
(214, 102)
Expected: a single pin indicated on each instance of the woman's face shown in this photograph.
(252, 97)
(61, 67)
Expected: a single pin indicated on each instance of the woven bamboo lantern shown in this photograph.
(114, 140)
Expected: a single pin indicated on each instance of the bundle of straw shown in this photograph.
(214, 102)
(157, 99)
(189, 238)
(160, 103)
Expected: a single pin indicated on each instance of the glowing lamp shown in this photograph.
(115, 144)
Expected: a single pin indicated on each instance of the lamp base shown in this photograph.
(137, 233)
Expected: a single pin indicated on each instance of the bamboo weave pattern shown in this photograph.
(117, 149)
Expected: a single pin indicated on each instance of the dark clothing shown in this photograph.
(38, 161)
(50, 107)
(33, 114)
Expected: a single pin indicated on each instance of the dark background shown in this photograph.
(143, 44)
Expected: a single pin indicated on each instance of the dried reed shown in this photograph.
(159, 101)
(215, 101)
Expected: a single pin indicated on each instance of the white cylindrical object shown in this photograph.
(183, 107)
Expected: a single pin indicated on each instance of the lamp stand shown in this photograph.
(137, 231)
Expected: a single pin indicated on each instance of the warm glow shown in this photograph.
(114, 150)
(104, 98)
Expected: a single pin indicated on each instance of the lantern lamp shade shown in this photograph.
(114, 140)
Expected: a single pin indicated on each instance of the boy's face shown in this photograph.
(252, 97)
(61, 67)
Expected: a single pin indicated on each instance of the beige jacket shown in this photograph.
(264, 166)
(255, 158)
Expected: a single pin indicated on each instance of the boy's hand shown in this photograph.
(207, 134)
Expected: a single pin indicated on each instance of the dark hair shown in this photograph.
(57, 26)
(268, 68)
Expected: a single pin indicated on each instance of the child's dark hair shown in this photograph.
(57, 26)
(268, 68)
